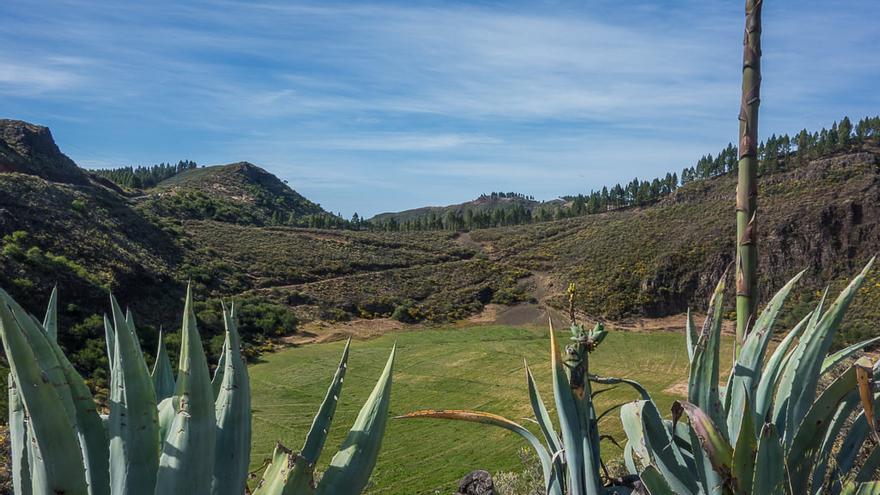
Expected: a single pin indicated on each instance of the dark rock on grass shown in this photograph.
(476, 483)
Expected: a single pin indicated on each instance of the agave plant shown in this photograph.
(772, 429)
(291, 473)
(570, 460)
(162, 435)
(61, 444)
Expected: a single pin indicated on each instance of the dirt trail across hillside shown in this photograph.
(542, 286)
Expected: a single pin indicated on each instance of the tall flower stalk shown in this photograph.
(747, 188)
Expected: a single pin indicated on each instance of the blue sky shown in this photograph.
(372, 107)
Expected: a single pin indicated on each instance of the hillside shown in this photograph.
(487, 210)
(823, 217)
(214, 226)
(62, 225)
(239, 193)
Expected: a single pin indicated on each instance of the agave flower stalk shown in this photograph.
(747, 188)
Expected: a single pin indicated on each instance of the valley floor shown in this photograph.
(465, 367)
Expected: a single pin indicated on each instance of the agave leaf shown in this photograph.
(653, 444)
(53, 433)
(47, 361)
(132, 425)
(187, 461)
(569, 421)
(350, 468)
(72, 390)
(167, 410)
(163, 375)
(628, 458)
(110, 340)
(50, 322)
(714, 444)
(91, 432)
(217, 381)
(831, 436)
(869, 466)
(654, 482)
(746, 447)
(321, 424)
(274, 479)
(541, 414)
(769, 475)
(786, 376)
(773, 370)
(806, 365)
(710, 481)
(301, 475)
(847, 453)
(500, 421)
(609, 380)
(810, 433)
(691, 334)
(703, 377)
(746, 373)
(18, 440)
(233, 413)
(834, 359)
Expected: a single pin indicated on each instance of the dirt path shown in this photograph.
(542, 287)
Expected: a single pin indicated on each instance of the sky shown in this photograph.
(382, 106)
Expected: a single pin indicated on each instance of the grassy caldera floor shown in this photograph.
(451, 368)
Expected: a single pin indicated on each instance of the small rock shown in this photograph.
(476, 483)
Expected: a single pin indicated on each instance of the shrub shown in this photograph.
(408, 312)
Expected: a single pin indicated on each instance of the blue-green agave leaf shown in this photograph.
(806, 365)
(163, 374)
(233, 412)
(110, 341)
(704, 374)
(746, 373)
(187, 461)
(811, 431)
(132, 425)
(654, 445)
(834, 359)
(569, 422)
(350, 468)
(654, 482)
(744, 450)
(691, 334)
(769, 475)
(773, 370)
(52, 429)
(50, 322)
(544, 456)
(18, 440)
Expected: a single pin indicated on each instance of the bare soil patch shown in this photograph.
(317, 332)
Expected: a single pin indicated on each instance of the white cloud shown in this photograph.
(545, 98)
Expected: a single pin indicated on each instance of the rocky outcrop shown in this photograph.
(30, 149)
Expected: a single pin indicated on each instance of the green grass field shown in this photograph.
(470, 368)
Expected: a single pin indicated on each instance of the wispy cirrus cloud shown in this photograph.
(408, 102)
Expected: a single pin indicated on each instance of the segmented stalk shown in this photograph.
(747, 188)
